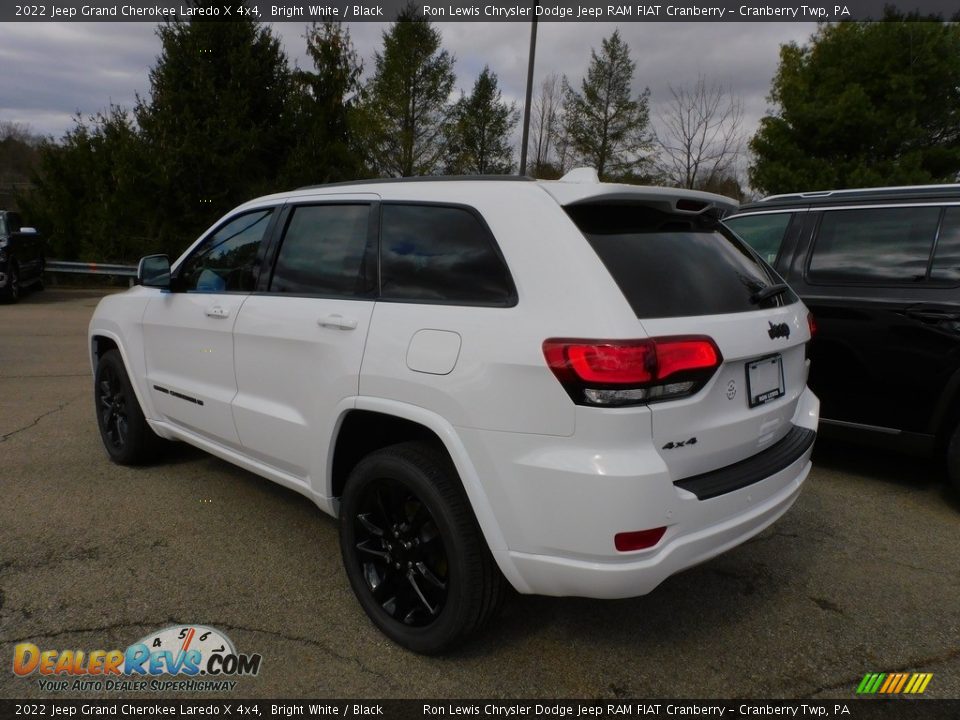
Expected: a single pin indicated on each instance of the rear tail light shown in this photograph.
(812, 324)
(612, 373)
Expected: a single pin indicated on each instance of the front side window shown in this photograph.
(326, 251)
(227, 260)
(878, 245)
(441, 254)
(764, 233)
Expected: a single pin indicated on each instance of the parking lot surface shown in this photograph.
(862, 575)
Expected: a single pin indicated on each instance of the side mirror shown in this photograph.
(154, 271)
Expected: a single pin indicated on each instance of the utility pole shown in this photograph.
(526, 105)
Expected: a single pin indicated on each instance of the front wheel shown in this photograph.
(12, 293)
(413, 551)
(126, 435)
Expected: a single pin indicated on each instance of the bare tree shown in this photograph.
(546, 127)
(700, 136)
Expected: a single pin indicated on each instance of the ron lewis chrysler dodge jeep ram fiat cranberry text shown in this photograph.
(572, 387)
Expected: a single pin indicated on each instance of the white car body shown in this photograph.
(266, 381)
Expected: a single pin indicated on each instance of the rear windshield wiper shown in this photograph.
(768, 292)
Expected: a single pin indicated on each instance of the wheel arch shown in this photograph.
(102, 341)
(946, 415)
(372, 423)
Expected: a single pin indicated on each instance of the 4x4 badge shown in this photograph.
(779, 330)
(680, 443)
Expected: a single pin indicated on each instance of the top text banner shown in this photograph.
(467, 11)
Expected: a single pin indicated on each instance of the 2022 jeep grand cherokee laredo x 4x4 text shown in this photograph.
(577, 388)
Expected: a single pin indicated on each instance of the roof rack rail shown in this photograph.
(863, 192)
(422, 178)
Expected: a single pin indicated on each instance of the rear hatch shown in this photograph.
(687, 277)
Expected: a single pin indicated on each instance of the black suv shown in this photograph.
(880, 270)
(21, 257)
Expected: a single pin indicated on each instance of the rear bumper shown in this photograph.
(562, 541)
(546, 575)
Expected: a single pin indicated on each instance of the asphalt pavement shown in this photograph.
(862, 575)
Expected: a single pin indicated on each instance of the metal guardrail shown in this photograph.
(82, 268)
(87, 268)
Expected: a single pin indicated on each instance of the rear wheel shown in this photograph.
(413, 551)
(126, 435)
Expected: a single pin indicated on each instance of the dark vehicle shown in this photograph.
(880, 271)
(21, 257)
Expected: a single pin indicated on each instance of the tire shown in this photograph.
(12, 292)
(953, 459)
(124, 431)
(413, 551)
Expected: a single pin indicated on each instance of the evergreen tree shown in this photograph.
(481, 129)
(607, 127)
(217, 123)
(87, 195)
(864, 104)
(408, 112)
(325, 105)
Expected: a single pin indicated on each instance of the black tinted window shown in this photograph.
(440, 254)
(946, 261)
(675, 265)
(227, 260)
(874, 245)
(764, 233)
(325, 252)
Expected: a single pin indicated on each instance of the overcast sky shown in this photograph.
(50, 71)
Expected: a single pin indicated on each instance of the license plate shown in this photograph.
(765, 380)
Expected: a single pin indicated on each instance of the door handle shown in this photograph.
(217, 311)
(337, 321)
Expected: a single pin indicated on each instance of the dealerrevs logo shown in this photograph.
(190, 650)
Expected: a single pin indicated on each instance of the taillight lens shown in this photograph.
(812, 324)
(629, 372)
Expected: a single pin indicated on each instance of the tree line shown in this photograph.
(226, 119)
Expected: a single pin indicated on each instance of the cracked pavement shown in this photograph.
(862, 575)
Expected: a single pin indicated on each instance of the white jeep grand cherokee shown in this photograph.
(572, 387)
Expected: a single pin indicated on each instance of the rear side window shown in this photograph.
(441, 254)
(671, 265)
(764, 233)
(326, 251)
(946, 261)
(874, 245)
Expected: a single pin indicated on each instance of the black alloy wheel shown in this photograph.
(413, 551)
(112, 406)
(401, 553)
(126, 435)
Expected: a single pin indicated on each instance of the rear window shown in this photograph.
(670, 265)
(441, 254)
